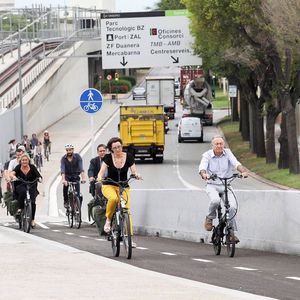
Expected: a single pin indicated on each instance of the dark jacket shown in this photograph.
(94, 168)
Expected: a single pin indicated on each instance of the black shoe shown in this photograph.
(66, 204)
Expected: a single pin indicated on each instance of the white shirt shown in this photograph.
(12, 164)
(222, 166)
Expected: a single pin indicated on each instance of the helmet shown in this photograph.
(46, 131)
(69, 146)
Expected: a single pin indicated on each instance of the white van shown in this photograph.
(190, 128)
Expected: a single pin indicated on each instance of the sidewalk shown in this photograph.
(36, 268)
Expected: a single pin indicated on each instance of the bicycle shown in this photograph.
(47, 150)
(38, 161)
(25, 217)
(74, 205)
(121, 222)
(224, 228)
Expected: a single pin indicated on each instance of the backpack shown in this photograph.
(99, 200)
(98, 214)
(13, 207)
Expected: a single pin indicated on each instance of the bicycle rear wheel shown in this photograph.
(216, 240)
(77, 212)
(115, 236)
(126, 234)
(230, 243)
(27, 217)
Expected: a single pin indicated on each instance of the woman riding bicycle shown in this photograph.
(115, 165)
(27, 172)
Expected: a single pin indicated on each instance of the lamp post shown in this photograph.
(20, 84)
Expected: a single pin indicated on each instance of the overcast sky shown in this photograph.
(121, 5)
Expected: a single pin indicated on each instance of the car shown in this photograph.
(190, 128)
(139, 93)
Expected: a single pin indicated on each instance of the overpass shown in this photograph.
(54, 48)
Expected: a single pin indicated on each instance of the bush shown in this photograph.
(131, 79)
(116, 86)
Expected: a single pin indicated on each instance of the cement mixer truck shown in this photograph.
(197, 100)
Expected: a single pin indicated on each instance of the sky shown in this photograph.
(121, 5)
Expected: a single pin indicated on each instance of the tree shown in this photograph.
(253, 34)
(170, 4)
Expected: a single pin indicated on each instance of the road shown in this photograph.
(257, 272)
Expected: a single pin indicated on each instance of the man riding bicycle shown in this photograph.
(222, 162)
(46, 143)
(71, 168)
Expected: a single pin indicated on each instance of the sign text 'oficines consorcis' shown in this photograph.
(146, 40)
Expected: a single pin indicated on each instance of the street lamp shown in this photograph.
(20, 84)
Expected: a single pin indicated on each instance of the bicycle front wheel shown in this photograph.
(77, 212)
(115, 237)
(126, 234)
(27, 217)
(230, 243)
(216, 240)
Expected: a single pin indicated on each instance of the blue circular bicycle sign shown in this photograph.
(91, 100)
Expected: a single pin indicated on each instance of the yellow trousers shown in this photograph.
(111, 193)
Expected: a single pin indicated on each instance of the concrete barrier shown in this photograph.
(267, 220)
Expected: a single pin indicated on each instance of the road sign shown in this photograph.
(91, 100)
(100, 77)
(232, 91)
(109, 77)
(147, 39)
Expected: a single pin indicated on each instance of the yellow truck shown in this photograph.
(142, 131)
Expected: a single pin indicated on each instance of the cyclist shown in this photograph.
(46, 142)
(115, 165)
(28, 172)
(94, 168)
(37, 154)
(222, 162)
(71, 168)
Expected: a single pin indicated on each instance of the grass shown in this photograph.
(221, 100)
(257, 165)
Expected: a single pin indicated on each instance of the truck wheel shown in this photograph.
(158, 160)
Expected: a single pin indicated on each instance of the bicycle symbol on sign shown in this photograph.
(91, 104)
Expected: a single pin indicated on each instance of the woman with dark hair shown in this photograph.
(116, 165)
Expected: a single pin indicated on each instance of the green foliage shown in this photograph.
(114, 86)
(170, 4)
(131, 79)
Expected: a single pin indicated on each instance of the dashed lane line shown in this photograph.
(42, 225)
(245, 269)
(56, 230)
(168, 253)
(294, 278)
(203, 260)
(84, 236)
(142, 248)
(69, 233)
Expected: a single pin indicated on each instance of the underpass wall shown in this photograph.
(267, 220)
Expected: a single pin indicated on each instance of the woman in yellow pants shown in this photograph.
(115, 165)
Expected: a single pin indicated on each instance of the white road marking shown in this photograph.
(55, 230)
(245, 269)
(84, 236)
(203, 260)
(102, 240)
(168, 253)
(42, 225)
(294, 278)
(69, 233)
(142, 248)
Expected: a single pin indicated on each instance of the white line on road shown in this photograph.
(102, 240)
(55, 230)
(42, 225)
(142, 248)
(168, 253)
(203, 260)
(294, 278)
(245, 269)
(84, 236)
(69, 233)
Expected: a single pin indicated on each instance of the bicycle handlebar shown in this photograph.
(119, 183)
(215, 176)
(28, 182)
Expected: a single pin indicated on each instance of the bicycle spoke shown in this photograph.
(115, 237)
(126, 234)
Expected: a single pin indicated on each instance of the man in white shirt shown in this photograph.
(222, 162)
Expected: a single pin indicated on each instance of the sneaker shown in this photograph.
(33, 224)
(107, 226)
(208, 224)
(133, 244)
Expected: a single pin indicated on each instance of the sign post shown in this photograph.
(232, 92)
(91, 101)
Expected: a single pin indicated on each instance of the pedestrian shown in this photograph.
(12, 148)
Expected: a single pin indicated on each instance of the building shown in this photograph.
(7, 4)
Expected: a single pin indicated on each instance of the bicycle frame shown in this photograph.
(224, 228)
(74, 210)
